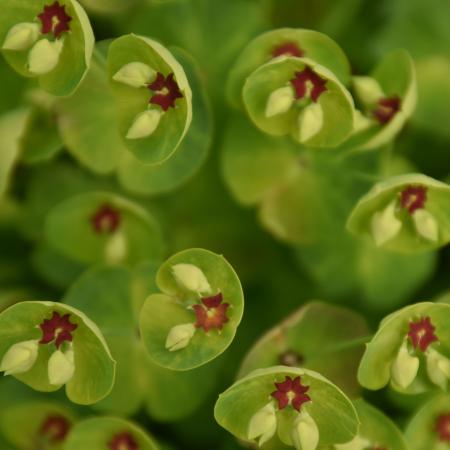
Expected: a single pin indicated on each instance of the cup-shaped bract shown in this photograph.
(321, 337)
(297, 96)
(99, 433)
(410, 350)
(103, 227)
(429, 428)
(31, 422)
(55, 327)
(376, 431)
(387, 98)
(285, 43)
(154, 97)
(405, 213)
(201, 290)
(294, 394)
(50, 40)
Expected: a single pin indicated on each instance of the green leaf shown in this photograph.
(94, 367)
(162, 312)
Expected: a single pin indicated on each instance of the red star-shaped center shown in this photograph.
(421, 333)
(308, 82)
(291, 392)
(212, 313)
(106, 219)
(288, 49)
(123, 441)
(413, 197)
(55, 428)
(386, 109)
(443, 427)
(166, 91)
(54, 19)
(58, 329)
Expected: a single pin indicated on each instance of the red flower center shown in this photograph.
(288, 49)
(55, 428)
(413, 197)
(443, 427)
(58, 329)
(212, 314)
(106, 219)
(421, 333)
(291, 392)
(166, 91)
(54, 19)
(307, 82)
(123, 441)
(387, 108)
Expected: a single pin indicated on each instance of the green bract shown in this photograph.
(405, 213)
(387, 99)
(58, 57)
(77, 356)
(154, 97)
(318, 111)
(286, 42)
(318, 336)
(99, 433)
(195, 318)
(429, 428)
(249, 411)
(410, 350)
(102, 226)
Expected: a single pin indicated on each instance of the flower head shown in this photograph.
(308, 82)
(55, 428)
(166, 91)
(387, 108)
(212, 313)
(54, 19)
(443, 427)
(58, 328)
(413, 198)
(288, 49)
(106, 219)
(123, 441)
(421, 333)
(291, 391)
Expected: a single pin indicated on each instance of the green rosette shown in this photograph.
(429, 427)
(47, 345)
(103, 227)
(405, 213)
(99, 433)
(154, 97)
(410, 350)
(286, 42)
(321, 337)
(255, 407)
(297, 96)
(56, 45)
(195, 317)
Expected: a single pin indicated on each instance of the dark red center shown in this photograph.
(166, 91)
(307, 81)
(123, 441)
(55, 428)
(413, 198)
(291, 392)
(288, 49)
(421, 333)
(58, 329)
(387, 108)
(54, 19)
(443, 427)
(106, 219)
(212, 313)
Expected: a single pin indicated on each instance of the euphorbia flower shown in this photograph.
(443, 427)
(58, 328)
(55, 428)
(387, 108)
(212, 313)
(54, 19)
(106, 219)
(123, 441)
(288, 49)
(421, 333)
(413, 198)
(165, 91)
(307, 82)
(291, 392)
